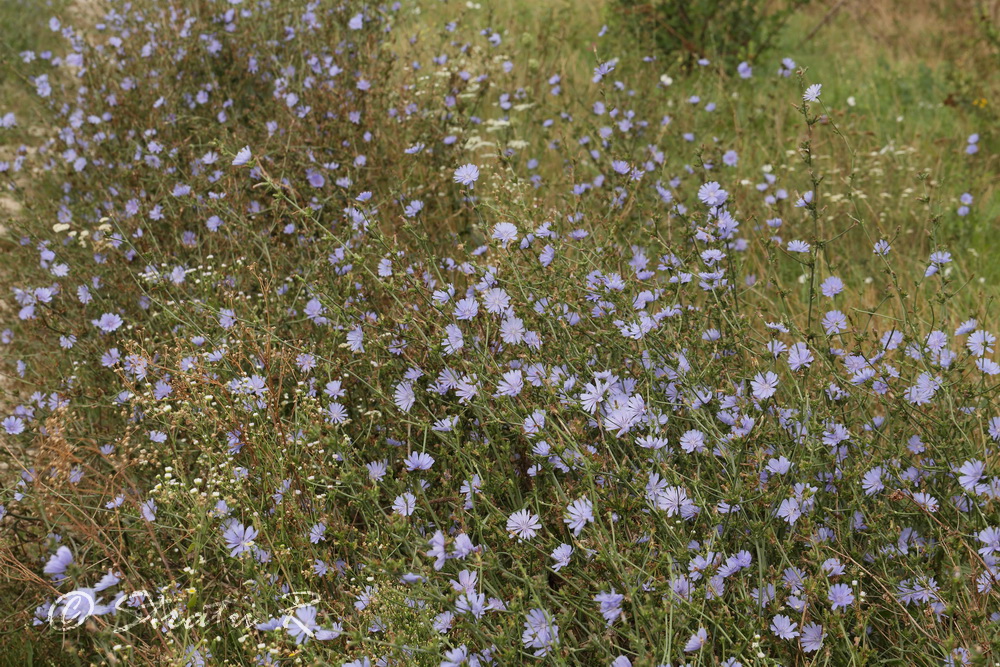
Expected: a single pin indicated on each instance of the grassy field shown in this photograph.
(507, 338)
(24, 26)
(906, 83)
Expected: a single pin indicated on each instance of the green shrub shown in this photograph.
(730, 31)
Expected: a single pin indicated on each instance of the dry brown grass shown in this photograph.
(926, 31)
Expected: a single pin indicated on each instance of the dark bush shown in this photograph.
(730, 31)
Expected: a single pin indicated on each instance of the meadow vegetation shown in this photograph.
(437, 333)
